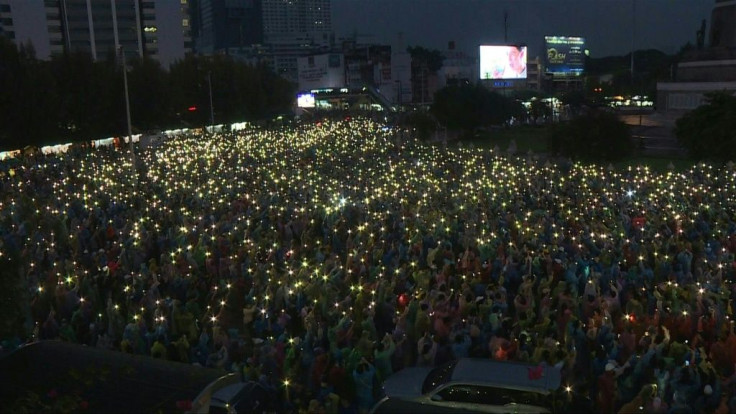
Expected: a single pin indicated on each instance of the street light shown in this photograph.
(127, 113)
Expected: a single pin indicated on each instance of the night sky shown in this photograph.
(606, 24)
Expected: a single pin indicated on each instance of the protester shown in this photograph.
(320, 259)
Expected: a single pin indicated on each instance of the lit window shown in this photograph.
(185, 22)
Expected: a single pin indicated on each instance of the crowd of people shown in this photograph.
(320, 259)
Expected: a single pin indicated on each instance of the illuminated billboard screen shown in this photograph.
(503, 62)
(565, 55)
(305, 100)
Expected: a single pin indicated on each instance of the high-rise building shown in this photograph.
(295, 28)
(157, 28)
(275, 32)
(7, 25)
(98, 27)
(222, 25)
(166, 30)
(284, 20)
(18, 22)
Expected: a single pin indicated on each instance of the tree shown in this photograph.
(73, 98)
(595, 136)
(422, 122)
(149, 94)
(28, 99)
(187, 82)
(467, 107)
(709, 131)
(540, 111)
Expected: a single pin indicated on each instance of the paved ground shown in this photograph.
(655, 132)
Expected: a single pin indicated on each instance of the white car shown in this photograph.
(239, 398)
(471, 385)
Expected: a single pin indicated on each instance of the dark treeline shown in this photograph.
(71, 98)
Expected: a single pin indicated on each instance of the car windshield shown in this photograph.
(438, 376)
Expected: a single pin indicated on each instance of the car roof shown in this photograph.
(230, 393)
(507, 374)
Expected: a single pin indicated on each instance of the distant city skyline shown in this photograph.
(607, 25)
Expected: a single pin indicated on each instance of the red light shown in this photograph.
(192, 108)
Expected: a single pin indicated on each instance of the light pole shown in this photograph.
(212, 108)
(401, 92)
(127, 113)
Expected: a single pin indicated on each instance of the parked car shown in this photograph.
(242, 397)
(471, 385)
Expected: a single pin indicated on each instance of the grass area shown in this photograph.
(526, 137)
(656, 164)
(535, 139)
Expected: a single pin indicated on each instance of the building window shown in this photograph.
(185, 22)
(4, 8)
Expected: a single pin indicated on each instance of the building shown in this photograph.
(156, 28)
(722, 28)
(401, 75)
(18, 18)
(98, 27)
(286, 20)
(535, 74)
(293, 29)
(222, 26)
(458, 67)
(7, 27)
(708, 68)
(424, 82)
(167, 30)
(325, 71)
(356, 75)
(274, 32)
